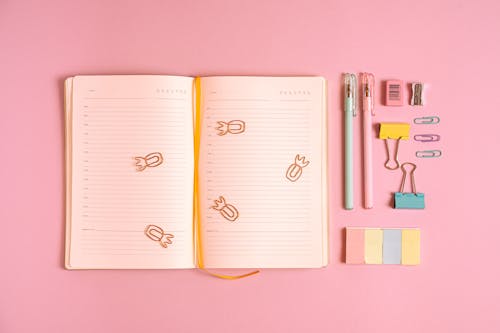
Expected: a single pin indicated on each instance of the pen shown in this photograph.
(350, 86)
(367, 86)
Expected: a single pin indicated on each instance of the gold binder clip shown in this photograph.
(395, 131)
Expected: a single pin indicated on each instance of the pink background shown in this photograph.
(452, 45)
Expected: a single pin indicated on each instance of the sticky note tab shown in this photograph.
(391, 251)
(394, 131)
(373, 246)
(410, 246)
(355, 246)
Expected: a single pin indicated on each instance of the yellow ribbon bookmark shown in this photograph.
(196, 206)
(229, 277)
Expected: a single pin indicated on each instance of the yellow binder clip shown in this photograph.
(394, 131)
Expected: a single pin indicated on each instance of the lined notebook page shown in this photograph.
(262, 206)
(114, 119)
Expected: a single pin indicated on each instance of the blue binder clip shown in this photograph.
(411, 200)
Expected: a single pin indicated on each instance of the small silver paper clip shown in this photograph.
(428, 153)
(427, 137)
(427, 120)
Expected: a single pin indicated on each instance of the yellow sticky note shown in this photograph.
(410, 247)
(394, 131)
(373, 246)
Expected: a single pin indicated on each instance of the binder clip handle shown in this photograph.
(387, 163)
(411, 200)
(393, 131)
(412, 177)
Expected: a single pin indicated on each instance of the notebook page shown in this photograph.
(262, 172)
(114, 196)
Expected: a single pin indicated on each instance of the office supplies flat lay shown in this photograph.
(385, 245)
(449, 45)
(182, 172)
(394, 131)
(417, 94)
(368, 90)
(394, 95)
(399, 246)
(350, 87)
(411, 200)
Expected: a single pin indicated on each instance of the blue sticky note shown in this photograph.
(409, 200)
(391, 247)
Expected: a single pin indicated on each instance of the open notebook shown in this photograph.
(182, 172)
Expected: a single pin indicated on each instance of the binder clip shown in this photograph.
(411, 200)
(395, 131)
(417, 94)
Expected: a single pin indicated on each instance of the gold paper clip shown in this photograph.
(150, 160)
(231, 127)
(427, 120)
(157, 234)
(395, 131)
(428, 153)
(294, 171)
(228, 211)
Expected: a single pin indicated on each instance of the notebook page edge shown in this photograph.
(68, 94)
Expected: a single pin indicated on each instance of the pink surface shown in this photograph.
(452, 45)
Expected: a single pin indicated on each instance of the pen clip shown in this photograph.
(368, 85)
(350, 87)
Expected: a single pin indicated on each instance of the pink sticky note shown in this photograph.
(355, 246)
